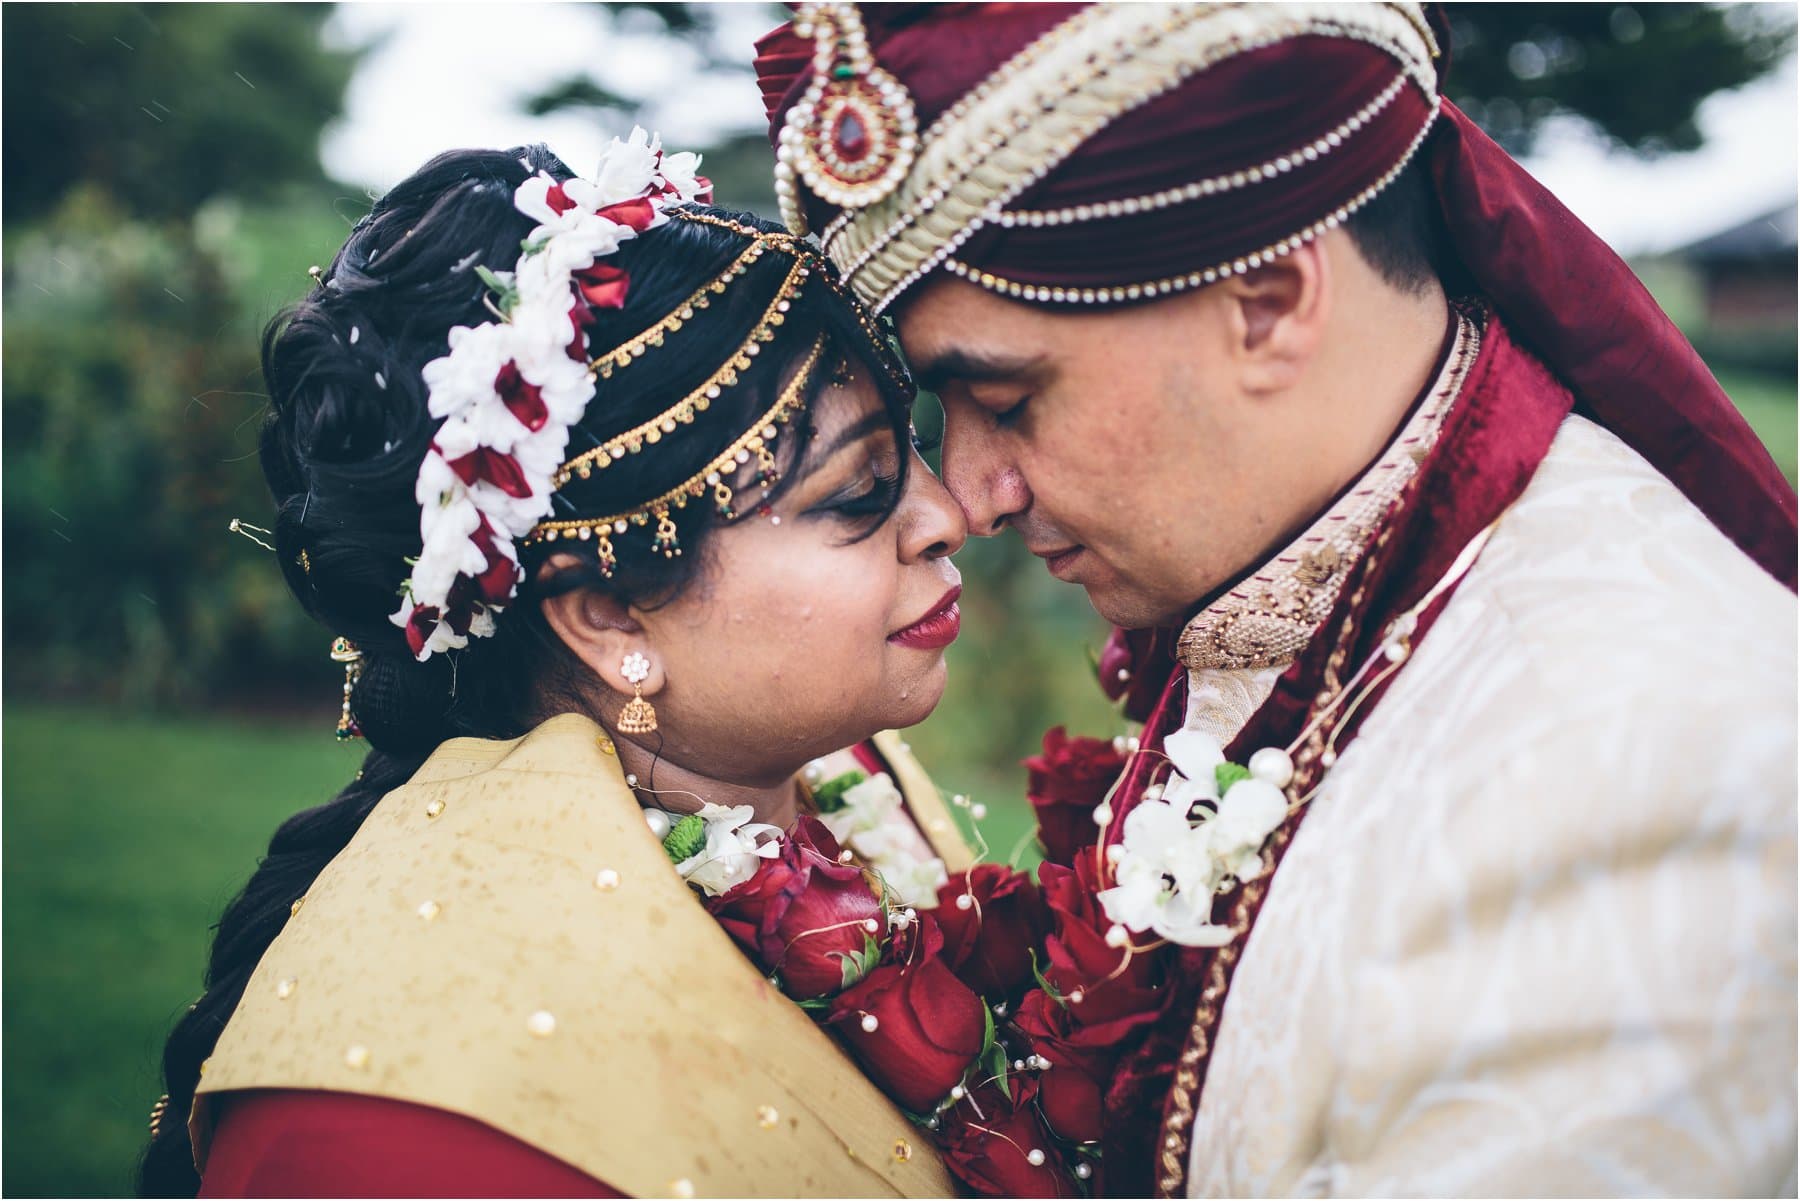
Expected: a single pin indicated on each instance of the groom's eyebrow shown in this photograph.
(973, 366)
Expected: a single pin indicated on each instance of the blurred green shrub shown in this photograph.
(132, 404)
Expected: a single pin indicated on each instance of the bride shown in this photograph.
(610, 500)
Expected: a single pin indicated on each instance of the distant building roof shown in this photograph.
(1766, 236)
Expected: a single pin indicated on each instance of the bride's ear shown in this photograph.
(600, 631)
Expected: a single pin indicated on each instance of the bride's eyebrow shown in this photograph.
(856, 431)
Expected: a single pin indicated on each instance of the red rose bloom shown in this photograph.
(989, 944)
(603, 285)
(1076, 947)
(419, 626)
(1082, 1057)
(495, 584)
(486, 463)
(1064, 785)
(638, 213)
(522, 398)
(803, 915)
(986, 1140)
(928, 1025)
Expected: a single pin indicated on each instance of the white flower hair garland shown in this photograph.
(509, 390)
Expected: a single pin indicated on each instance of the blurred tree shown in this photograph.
(163, 106)
(740, 164)
(1514, 66)
(135, 282)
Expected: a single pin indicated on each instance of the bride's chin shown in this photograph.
(914, 703)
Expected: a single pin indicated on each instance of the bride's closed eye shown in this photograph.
(871, 493)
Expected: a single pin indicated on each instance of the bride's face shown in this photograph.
(810, 629)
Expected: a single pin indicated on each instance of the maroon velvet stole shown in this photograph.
(1493, 439)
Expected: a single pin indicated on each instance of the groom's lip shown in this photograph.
(1060, 561)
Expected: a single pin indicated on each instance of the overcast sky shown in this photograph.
(443, 75)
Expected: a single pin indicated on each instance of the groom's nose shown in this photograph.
(982, 477)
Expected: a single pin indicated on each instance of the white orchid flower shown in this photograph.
(1196, 756)
(735, 845)
(1250, 812)
(1186, 920)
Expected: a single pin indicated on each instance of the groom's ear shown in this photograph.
(600, 631)
(1276, 316)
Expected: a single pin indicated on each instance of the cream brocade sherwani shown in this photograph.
(1537, 934)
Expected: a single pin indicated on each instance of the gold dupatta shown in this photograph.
(505, 939)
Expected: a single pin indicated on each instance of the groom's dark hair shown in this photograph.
(1401, 232)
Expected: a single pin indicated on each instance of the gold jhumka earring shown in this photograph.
(639, 715)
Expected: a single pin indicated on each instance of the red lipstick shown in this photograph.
(937, 629)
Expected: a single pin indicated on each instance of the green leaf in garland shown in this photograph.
(505, 292)
(816, 1005)
(1049, 988)
(987, 1037)
(685, 839)
(829, 796)
(996, 1066)
(1228, 774)
(857, 966)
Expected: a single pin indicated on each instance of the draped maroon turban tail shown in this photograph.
(1073, 156)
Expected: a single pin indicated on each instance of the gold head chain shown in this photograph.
(757, 441)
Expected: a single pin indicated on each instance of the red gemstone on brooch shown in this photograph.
(849, 137)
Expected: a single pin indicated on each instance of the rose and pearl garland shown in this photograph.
(915, 972)
(509, 390)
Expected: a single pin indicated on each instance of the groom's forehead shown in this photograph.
(956, 333)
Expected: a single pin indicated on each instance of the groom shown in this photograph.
(1378, 456)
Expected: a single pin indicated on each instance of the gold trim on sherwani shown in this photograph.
(505, 939)
(1236, 646)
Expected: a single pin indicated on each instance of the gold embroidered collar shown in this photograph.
(1268, 618)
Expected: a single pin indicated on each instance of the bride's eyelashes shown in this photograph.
(871, 494)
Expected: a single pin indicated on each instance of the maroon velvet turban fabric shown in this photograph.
(1559, 288)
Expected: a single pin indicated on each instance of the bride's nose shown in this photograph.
(931, 522)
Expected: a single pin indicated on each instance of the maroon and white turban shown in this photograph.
(1074, 156)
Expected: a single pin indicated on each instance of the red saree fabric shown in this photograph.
(302, 1143)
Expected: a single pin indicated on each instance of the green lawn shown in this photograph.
(124, 838)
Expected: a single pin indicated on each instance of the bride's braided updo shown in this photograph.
(347, 429)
